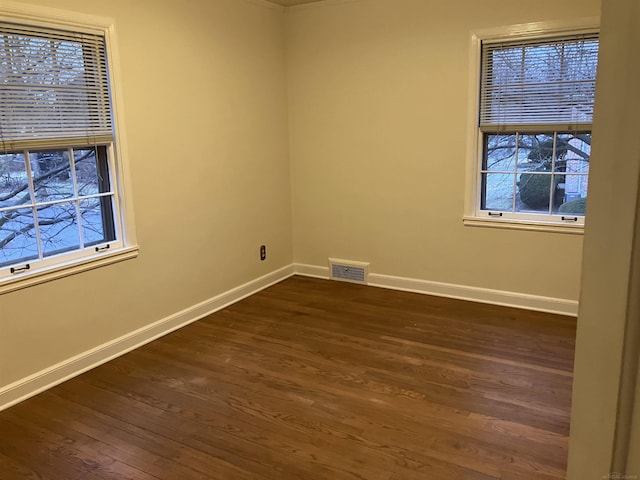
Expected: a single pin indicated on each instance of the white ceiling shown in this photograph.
(291, 3)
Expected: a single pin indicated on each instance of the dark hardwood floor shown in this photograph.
(312, 379)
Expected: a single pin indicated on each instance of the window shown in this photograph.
(533, 129)
(61, 175)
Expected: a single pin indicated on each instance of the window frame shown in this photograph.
(473, 215)
(125, 246)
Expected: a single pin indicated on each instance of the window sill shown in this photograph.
(512, 224)
(37, 277)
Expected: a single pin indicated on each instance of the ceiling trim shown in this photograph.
(293, 3)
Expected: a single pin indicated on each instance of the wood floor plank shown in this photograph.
(312, 379)
(10, 468)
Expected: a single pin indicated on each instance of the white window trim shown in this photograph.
(536, 30)
(52, 17)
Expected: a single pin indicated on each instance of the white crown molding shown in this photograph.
(318, 4)
(267, 4)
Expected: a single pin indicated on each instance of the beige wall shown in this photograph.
(206, 123)
(609, 318)
(377, 103)
(378, 116)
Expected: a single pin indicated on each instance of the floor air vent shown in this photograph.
(348, 271)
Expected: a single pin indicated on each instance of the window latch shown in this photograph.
(15, 270)
(569, 219)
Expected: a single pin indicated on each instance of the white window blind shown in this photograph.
(547, 82)
(54, 89)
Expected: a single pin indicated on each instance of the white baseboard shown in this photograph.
(311, 271)
(32, 385)
(49, 377)
(461, 292)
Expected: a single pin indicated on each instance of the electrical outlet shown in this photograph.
(263, 252)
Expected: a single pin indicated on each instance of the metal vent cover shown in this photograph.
(348, 270)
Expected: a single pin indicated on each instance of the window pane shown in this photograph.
(500, 153)
(86, 172)
(574, 195)
(58, 228)
(576, 186)
(17, 237)
(97, 226)
(498, 189)
(52, 178)
(534, 191)
(577, 152)
(558, 193)
(535, 153)
(14, 187)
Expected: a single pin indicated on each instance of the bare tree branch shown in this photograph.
(25, 186)
(43, 223)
